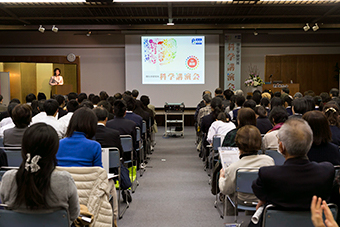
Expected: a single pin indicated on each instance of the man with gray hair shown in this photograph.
(292, 185)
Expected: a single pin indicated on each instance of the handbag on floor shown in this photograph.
(124, 178)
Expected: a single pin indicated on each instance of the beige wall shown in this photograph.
(44, 72)
(28, 79)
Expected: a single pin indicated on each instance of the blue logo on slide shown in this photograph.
(196, 41)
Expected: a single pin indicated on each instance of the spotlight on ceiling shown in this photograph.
(54, 29)
(88, 34)
(41, 29)
(315, 27)
(170, 23)
(306, 27)
(255, 32)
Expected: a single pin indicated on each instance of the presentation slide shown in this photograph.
(173, 59)
(187, 91)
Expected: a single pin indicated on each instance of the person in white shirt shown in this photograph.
(221, 127)
(51, 110)
(41, 115)
(65, 120)
(7, 122)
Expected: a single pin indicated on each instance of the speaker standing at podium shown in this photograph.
(56, 79)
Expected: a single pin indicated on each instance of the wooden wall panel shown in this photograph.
(288, 68)
(28, 79)
(272, 67)
(312, 72)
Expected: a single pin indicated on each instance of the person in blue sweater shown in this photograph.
(77, 149)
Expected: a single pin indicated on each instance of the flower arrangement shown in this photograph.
(254, 79)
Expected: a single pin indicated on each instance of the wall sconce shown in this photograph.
(41, 29)
(315, 27)
(306, 27)
(54, 29)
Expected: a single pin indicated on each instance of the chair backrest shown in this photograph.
(216, 142)
(58, 218)
(244, 179)
(278, 158)
(110, 158)
(144, 127)
(283, 218)
(13, 156)
(127, 144)
(138, 135)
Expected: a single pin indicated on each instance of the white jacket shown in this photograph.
(93, 191)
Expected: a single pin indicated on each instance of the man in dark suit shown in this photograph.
(124, 126)
(292, 185)
(130, 115)
(107, 137)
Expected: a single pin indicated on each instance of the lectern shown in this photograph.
(293, 88)
(62, 89)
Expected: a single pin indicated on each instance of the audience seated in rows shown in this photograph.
(130, 115)
(64, 121)
(262, 121)
(206, 109)
(7, 122)
(220, 127)
(36, 186)
(292, 185)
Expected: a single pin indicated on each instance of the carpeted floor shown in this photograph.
(175, 191)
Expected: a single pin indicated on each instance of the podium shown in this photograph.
(62, 89)
(293, 88)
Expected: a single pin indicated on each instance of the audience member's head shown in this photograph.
(310, 103)
(72, 106)
(101, 113)
(14, 101)
(250, 103)
(90, 97)
(35, 107)
(257, 98)
(276, 101)
(318, 102)
(86, 103)
(11, 107)
(83, 120)
(261, 111)
(222, 117)
(257, 92)
(299, 106)
(239, 100)
(72, 95)
(103, 95)
(319, 125)
(61, 100)
(105, 104)
(111, 100)
(334, 92)
(51, 107)
(119, 108)
(296, 138)
(1, 98)
(248, 139)
(33, 185)
(127, 92)
(145, 100)
(228, 93)
(265, 102)
(82, 97)
(134, 93)
(285, 90)
(331, 112)
(278, 115)
(266, 95)
(218, 91)
(277, 94)
(95, 100)
(298, 95)
(310, 93)
(246, 116)
(41, 96)
(325, 97)
(130, 102)
(206, 92)
(22, 115)
(239, 92)
(41, 105)
(30, 97)
(118, 96)
(216, 106)
(287, 101)
(207, 99)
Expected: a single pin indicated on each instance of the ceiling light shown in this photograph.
(54, 29)
(306, 27)
(170, 23)
(88, 34)
(41, 29)
(315, 27)
(255, 32)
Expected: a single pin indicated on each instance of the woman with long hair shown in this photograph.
(77, 149)
(36, 186)
(331, 112)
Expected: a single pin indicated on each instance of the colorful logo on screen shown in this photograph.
(196, 41)
(192, 62)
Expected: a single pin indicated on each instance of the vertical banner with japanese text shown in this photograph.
(232, 62)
